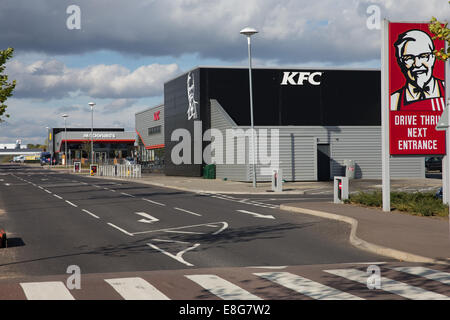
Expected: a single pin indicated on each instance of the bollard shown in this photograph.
(340, 189)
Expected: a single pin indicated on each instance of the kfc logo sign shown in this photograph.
(156, 115)
(298, 78)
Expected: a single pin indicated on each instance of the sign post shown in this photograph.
(77, 167)
(385, 174)
(414, 97)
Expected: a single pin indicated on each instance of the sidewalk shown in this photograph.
(198, 184)
(397, 235)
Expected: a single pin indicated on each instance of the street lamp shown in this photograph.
(248, 32)
(48, 146)
(65, 138)
(48, 142)
(92, 104)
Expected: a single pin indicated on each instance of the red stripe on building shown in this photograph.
(156, 146)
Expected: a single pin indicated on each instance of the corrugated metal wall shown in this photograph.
(144, 120)
(298, 146)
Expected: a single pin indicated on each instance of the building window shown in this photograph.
(154, 130)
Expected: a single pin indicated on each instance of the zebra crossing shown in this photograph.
(333, 282)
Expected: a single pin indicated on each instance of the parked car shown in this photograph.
(18, 159)
(433, 164)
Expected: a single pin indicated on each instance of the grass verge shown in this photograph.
(418, 203)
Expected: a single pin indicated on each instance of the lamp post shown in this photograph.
(47, 139)
(48, 146)
(92, 104)
(65, 138)
(248, 32)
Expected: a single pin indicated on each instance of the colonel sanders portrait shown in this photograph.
(421, 91)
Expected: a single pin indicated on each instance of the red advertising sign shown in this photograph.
(416, 89)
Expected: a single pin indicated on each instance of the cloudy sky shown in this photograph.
(124, 51)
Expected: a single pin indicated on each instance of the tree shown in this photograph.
(6, 88)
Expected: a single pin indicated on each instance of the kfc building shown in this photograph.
(314, 119)
(150, 132)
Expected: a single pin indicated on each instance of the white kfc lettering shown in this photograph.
(289, 78)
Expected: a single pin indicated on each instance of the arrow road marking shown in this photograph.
(179, 256)
(149, 218)
(257, 215)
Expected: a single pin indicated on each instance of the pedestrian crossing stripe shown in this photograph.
(222, 288)
(428, 273)
(136, 288)
(50, 290)
(395, 287)
(306, 287)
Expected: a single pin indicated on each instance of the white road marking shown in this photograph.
(178, 256)
(72, 204)
(395, 287)
(170, 241)
(221, 287)
(306, 287)
(84, 210)
(128, 195)
(187, 211)
(148, 218)
(268, 267)
(48, 191)
(136, 289)
(184, 232)
(51, 290)
(40, 187)
(225, 225)
(185, 227)
(257, 215)
(57, 196)
(7, 184)
(431, 274)
(120, 229)
(154, 202)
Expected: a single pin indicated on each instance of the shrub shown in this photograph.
(420, 203)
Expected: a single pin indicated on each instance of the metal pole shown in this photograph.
(251, 110)
(446, 173)
(65, 142)
(92, 134)
(386, 183)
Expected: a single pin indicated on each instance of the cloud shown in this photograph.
(53, 80)
(297, 31)
(118, 105)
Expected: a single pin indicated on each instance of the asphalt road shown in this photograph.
(54, 220)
